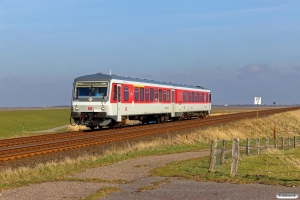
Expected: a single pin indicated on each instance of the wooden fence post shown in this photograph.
(257, 145)
(282, 143)
(213, 155)
(267, 143)
(235, 157)
(275, 143)
(247, 146)
(223, 152)
(294, 141)
(289, 143)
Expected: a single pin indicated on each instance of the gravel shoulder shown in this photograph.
(137, 172)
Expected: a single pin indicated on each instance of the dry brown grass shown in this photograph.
(77, 128)
(252, 128)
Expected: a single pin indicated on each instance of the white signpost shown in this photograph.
(257, 101)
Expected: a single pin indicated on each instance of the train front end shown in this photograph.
(90, 100)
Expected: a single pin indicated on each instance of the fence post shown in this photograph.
(247, 146)
(235, 157)
(282, 143)
(294, 141)
(267, 143)
(275, 143)
(257, 145)
(289, 143)
(213, 155)
(223, 152)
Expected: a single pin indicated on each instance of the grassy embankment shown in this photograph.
(17, 123)
(177, 142)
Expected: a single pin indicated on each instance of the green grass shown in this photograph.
(11, 122)
(103, 192)
(272, 168)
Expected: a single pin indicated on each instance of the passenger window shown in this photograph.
(115, 92)
(126, 93)
(142, 94)
(160, 95)
(168, 95)
(193, 96)
(147, 94)
(156, 95)
(151, 94)
(165, 95)
(187, 96)
(136, 94)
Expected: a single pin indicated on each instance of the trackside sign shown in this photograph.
(257, 100)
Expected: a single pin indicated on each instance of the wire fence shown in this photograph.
(226, 155)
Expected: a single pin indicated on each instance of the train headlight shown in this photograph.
(76, 108)
(102, 108)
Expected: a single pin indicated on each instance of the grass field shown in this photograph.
(273, 167)
(16, 123)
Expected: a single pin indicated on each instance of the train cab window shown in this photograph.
(168, 95)
(160, 95)
(165, 95)
(115, 92)
(209, 98)
(126, 93)
(147, 94)
(91, 89)
(142, 94)
(156, 95)
(136, 94)
(193, 97)
(151, 94)
(206, 99)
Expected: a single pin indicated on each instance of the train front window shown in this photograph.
(91, 89)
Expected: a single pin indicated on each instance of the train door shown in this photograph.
(173, 103)
(119, 114)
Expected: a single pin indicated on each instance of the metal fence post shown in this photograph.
(213, 152)
(235, 157)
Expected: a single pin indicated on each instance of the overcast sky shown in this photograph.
(238, 49)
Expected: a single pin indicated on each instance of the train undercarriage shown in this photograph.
(99, 120)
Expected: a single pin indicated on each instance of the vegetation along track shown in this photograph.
(35, 145)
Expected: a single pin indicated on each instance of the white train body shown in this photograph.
(109, 100)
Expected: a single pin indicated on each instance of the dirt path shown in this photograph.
(137, 172)
(50, 130)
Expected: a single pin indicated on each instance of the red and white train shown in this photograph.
(110, 100)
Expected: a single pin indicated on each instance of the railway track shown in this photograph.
(17, 148)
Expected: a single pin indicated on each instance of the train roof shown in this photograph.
(106, 77)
